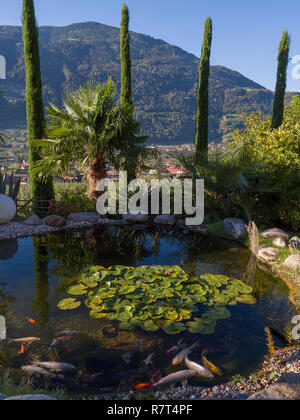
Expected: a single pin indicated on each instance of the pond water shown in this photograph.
(36, 272)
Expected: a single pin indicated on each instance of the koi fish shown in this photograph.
(142, 386)
(210, 366)
(128, 356)
(55, 366)
(149, 359)
(31, 321)
(200, 370)
(58, 340)
(24, 340)
(172, 379)
(23, 349)
(36, 371)
(175, 348)
(181, 355)
(66, 333)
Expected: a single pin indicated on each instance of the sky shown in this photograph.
(246, 33)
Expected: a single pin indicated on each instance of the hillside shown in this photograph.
(164, 80)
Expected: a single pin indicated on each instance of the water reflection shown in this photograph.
(41, 260)
(8, 248)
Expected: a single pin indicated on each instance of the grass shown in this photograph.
(26, 386)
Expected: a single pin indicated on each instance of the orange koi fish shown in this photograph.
(23, 349)
(142, 386)
(31, 321)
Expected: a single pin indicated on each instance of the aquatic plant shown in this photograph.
(157, 297)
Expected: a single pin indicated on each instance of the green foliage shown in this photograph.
(42, 188)
(91, 131)
(154, 297)
(273, 158)
(201, 140)
(283, 61)
(126, 96)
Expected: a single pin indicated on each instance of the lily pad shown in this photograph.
(68, 304)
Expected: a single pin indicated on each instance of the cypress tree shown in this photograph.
(41, 187)
(126, 95)
(201, 140)
(283, 61)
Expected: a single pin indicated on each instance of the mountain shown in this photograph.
(164, 80)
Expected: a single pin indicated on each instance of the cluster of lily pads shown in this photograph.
(154, 297)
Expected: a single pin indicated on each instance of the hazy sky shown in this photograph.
(246, 33)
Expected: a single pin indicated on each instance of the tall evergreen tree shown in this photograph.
(126, 95)
(283, 61)
(41, 187)
(201, 140)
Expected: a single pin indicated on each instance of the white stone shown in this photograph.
(268, 254)
(84, 217)
(7, 209)
(293, 262)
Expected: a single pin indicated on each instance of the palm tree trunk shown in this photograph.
(97, 171)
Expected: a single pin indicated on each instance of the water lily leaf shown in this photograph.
(77, 290)
(247, 299)
(149, 326)
(68, 304)
(173, 327)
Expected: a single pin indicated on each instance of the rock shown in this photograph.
(286, 388)
(136, 218)
(8, 209)
(2, 397)
(32, 220)
(268, 254)
(293, 262)
(84, 217)
(275, 233)
(280, 242)
(54, 221)
(235, 227)
(165, 219)
(295, 242)
(33, 397)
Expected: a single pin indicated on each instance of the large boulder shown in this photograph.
(54, 221)
(29, 397)
(136, 218)
(8, 209)
(286, 388)
(235, 227)
(276, 233)
(84, 217)
(165, 219)
(268, 254)
(293, 262)
(32, 220)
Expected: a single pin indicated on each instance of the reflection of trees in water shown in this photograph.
(105, 246)
(42, 289)
(5, 299)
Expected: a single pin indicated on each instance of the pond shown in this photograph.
(35, 274)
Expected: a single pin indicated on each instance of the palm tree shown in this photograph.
(225, 182)
(91, 131)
